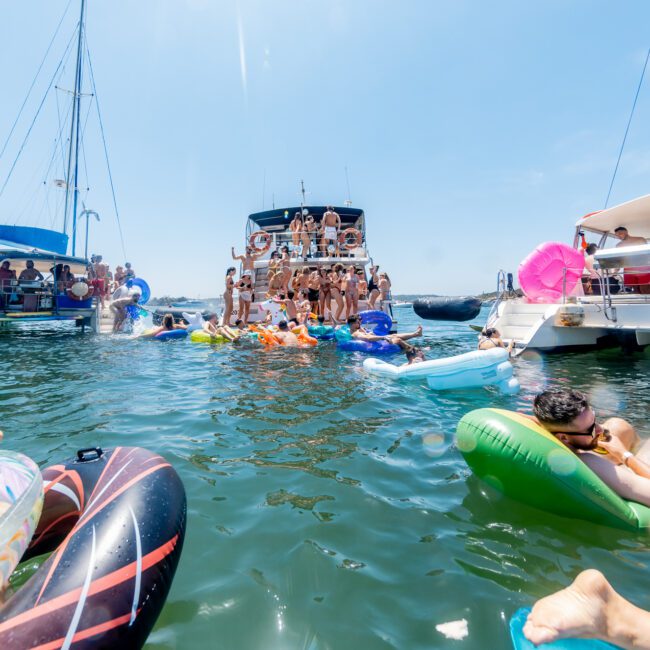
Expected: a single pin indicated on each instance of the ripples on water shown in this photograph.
(327, 509)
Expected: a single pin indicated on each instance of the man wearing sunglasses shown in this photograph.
(606, 448)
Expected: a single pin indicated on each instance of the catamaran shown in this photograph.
(269, 231)
(617, 316)
(42, 276)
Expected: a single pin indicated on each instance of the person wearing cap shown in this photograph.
(119, 309)
(637, 278)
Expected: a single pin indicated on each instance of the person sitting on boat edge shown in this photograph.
(637, 279)
(606, 449)
(490, 338)
(358, 332)
(29, 274)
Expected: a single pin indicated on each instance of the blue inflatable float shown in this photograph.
(145, 292)
(345, 342)
(321, 332)
(520, 642)
(168, 335)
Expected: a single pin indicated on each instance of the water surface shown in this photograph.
(326, 509)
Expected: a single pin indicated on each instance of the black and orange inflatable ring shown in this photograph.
(114, 522)
(265, 236)
(346, 238)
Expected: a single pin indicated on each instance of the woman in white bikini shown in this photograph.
(227, 295)
(245, 289)
(296, 232)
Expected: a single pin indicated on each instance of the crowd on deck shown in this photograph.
(306, 290)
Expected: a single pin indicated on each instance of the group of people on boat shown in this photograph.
(333, 292)
(633, 280)
(309, 237)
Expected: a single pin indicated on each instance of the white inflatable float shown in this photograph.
(469, 370)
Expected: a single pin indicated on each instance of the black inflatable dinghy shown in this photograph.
(457, 308)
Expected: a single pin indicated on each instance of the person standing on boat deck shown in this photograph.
(29, 274)
(227, 295)
(330, 226)
(100, 279)
(605, 448)
(324, 291)
(373, 286)
(637, 278)
(285, 268)
(6, 276)
(351, 292)
(337, 292)
(309, 228)
(120, 314)
(384, 287)
(129, 272)
(313, 290)
(245, 288)
(247, 262)
(296, 229)
(363, 285)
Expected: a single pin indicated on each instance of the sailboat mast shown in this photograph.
(73, 152)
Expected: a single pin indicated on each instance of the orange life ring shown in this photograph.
(74, 296)
(252, 241)
(345, 238)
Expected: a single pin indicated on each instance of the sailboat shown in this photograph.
(41, 276)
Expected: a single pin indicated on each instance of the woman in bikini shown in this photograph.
(491, 338)
(363, 285)
(351, 292)
(338, 290)
(296, 232)
(373, 286)
(324, 291)
(245, 288)
(308, 235)
(227, 295)
(285, 268)
(384, 286)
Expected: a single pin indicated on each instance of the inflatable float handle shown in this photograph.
(89, 453)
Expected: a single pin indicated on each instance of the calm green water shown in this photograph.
(327, 510)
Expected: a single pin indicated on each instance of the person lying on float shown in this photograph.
(607, 448)
(362, 334)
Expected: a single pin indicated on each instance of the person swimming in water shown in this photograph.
(491, 338)
(414, 355)
(285, 336)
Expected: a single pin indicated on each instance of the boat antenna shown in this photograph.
(302, 191)
(74, 136)
(263, 188)
(627, 128)
(348, 203)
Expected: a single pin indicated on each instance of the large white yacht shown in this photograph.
(617, 318)
(269, 231)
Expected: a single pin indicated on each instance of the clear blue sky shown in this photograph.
(472, 131)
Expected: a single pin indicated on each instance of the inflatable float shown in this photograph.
(518, 457)
(321, 332)
(114, 522)
(379, 322)
(201, 336)
(447, 308)
(165, 335)
(469, 370)
(268, 339)
(145, 291)
(520, 642)
(21, 502)
(551, 270)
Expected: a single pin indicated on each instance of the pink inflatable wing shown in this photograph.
(541, 274)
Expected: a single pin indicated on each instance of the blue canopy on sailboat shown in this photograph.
(46, 240)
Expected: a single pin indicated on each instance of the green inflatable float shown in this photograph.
(524, 461)
(199, 336)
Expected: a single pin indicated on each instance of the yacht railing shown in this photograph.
(500, 292)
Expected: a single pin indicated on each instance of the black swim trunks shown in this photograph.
(312, 295)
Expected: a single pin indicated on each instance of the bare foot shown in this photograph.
(418, 331)
(579, 611)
